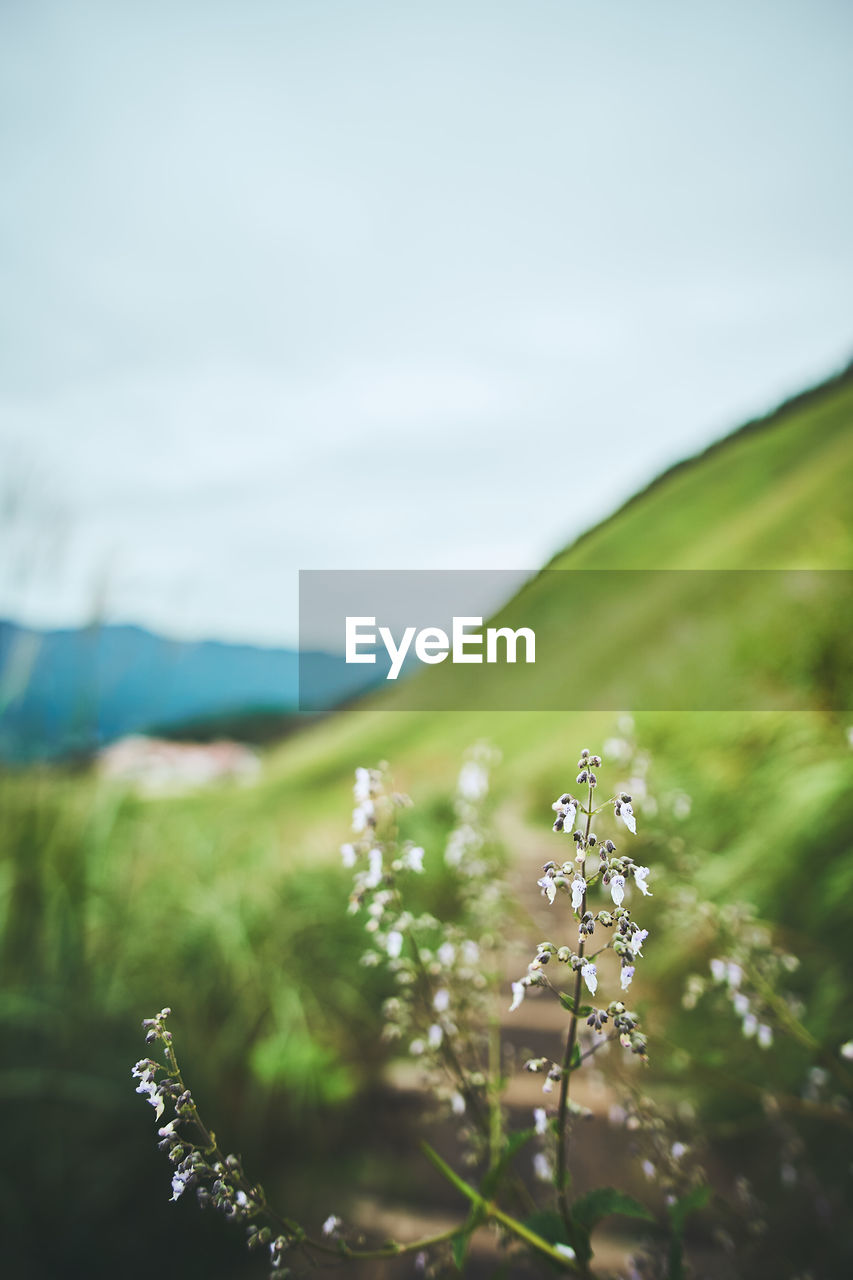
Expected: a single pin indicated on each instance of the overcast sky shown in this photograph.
(413, 285)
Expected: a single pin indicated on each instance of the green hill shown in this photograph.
(773, 495)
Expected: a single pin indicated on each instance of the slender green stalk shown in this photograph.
(571, 1040)
(490, 1210)
(495, 1115)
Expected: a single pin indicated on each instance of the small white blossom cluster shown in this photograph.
(665, 1157)
(219, 1180)
(622, 750)
(438, 967)
(750, 968)
(576, 879)
(729, 975)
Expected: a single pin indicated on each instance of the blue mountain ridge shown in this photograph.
(74, 690)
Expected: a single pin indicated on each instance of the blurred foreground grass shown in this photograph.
(113, 906)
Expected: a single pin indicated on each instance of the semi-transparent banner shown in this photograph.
(563, 639)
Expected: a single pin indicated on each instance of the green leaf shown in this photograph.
(588, 1210)
(459, 1247)
(576, 1058)
(678, 1215)
(549, 1224)
(681, 1210)
(568, 1002)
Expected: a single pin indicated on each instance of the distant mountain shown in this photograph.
(70, 691)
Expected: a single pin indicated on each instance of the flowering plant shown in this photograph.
(446, 977)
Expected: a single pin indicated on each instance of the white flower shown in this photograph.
(548, 1086)
(750, 1025)
(734, 974)
(416, 1048)
(765, 1036)
(457, 1104)
(374, 875)
(441, 1000)
(624, 811)
(617, 749)
(626, 976)
(413, 859)
(568, 812)
(470, 952)
(578, 890)
(148, 1085)
(473, 781)
(435, 1035)
(347, 855)
(518, 993)
(361, 814)
(846, 1051)
(617, 889)
(678, 1150)
(331, 1225)
(718, 970)
(361, 790)
(180, 1179)
(740, 1003)
(648, 1169)
(637, 941)
(540, 1120)
(394, 943)
(565, 1250)
(640, 876)
(546, 884)
(681, 804)
(446, 954)
(589, 973)
(542, 1167)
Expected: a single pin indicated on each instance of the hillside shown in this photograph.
(774, 494)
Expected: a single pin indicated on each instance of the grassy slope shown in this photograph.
(773, 495)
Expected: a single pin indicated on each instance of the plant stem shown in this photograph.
(495, 1117)
(491, 1210)
(571, 1040)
